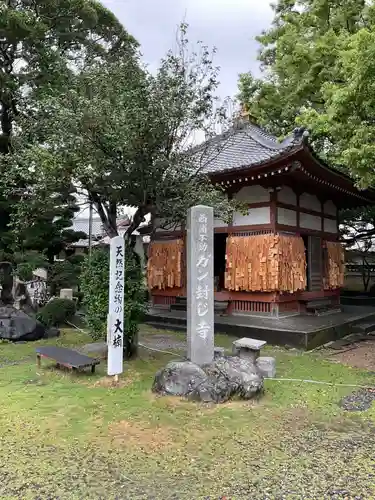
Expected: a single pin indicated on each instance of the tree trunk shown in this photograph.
(130, 346)
(6, 296)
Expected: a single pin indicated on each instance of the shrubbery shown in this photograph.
(57, 312)
(95, 285)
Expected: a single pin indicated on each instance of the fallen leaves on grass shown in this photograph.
(141, 436)
(109, 382)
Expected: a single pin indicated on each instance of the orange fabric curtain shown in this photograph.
(265, 263)
(334, 265)
(165, 264)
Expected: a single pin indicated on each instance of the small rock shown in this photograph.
(266, 366)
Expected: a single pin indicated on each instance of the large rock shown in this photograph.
(224, 379)
(15, 325)
(179, 378)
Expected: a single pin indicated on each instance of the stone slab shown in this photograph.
(247, 343)
(302, 332)
(266, 366)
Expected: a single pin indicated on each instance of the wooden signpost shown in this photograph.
(115, 327)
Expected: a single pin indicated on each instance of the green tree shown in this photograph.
(299, 56)
(41, 43)
(123, 136)
(318, 72)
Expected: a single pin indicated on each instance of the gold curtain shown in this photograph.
(265, 263)
(165, 264)
(334, 264)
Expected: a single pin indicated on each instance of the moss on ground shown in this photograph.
(74, 436)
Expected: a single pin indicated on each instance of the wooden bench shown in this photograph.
(66, 357)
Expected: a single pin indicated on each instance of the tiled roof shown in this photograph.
(243, 147)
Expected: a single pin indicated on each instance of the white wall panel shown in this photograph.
(287, 195)
(330, 226)
(253, 194)
(219, 223)
(286, 217)
(330, 208)
(254, 217)
(310, 202)
(308, 221)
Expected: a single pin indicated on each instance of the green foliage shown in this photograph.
(127, 136)
(41, 41)
(62, 274)
(94, 285)
(27, 262)
(57, 312)
(311, 57)
(319, 72)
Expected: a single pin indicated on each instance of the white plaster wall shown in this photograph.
(310, 221)
(330, 226)
(330, 208)
(219, 223)
(254, 217)
(310, 202)
(252, 194)
(287, 195)
(286, 217)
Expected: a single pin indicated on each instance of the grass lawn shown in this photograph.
(72, 436)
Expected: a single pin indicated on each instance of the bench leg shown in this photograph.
(93, 369)
(38, 360)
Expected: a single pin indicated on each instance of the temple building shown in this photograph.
(279, 256)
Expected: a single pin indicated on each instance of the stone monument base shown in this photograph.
(224, 379)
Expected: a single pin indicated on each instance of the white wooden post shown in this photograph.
(115, 327)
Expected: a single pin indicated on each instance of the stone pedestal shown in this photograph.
(248, 348)
(66, 293)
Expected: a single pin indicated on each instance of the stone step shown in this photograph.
(328, 311)
(178, 307)
(219, 306)
(323, 309)
(181, 300)
(364, 327)
(318, 303)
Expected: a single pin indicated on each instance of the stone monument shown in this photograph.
(200, 285)
(66, 293)
(208, 375)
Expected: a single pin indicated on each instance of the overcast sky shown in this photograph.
(230, 26)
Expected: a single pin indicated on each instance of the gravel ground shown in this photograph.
(164, 342)
(358, 401)
(362, 356)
